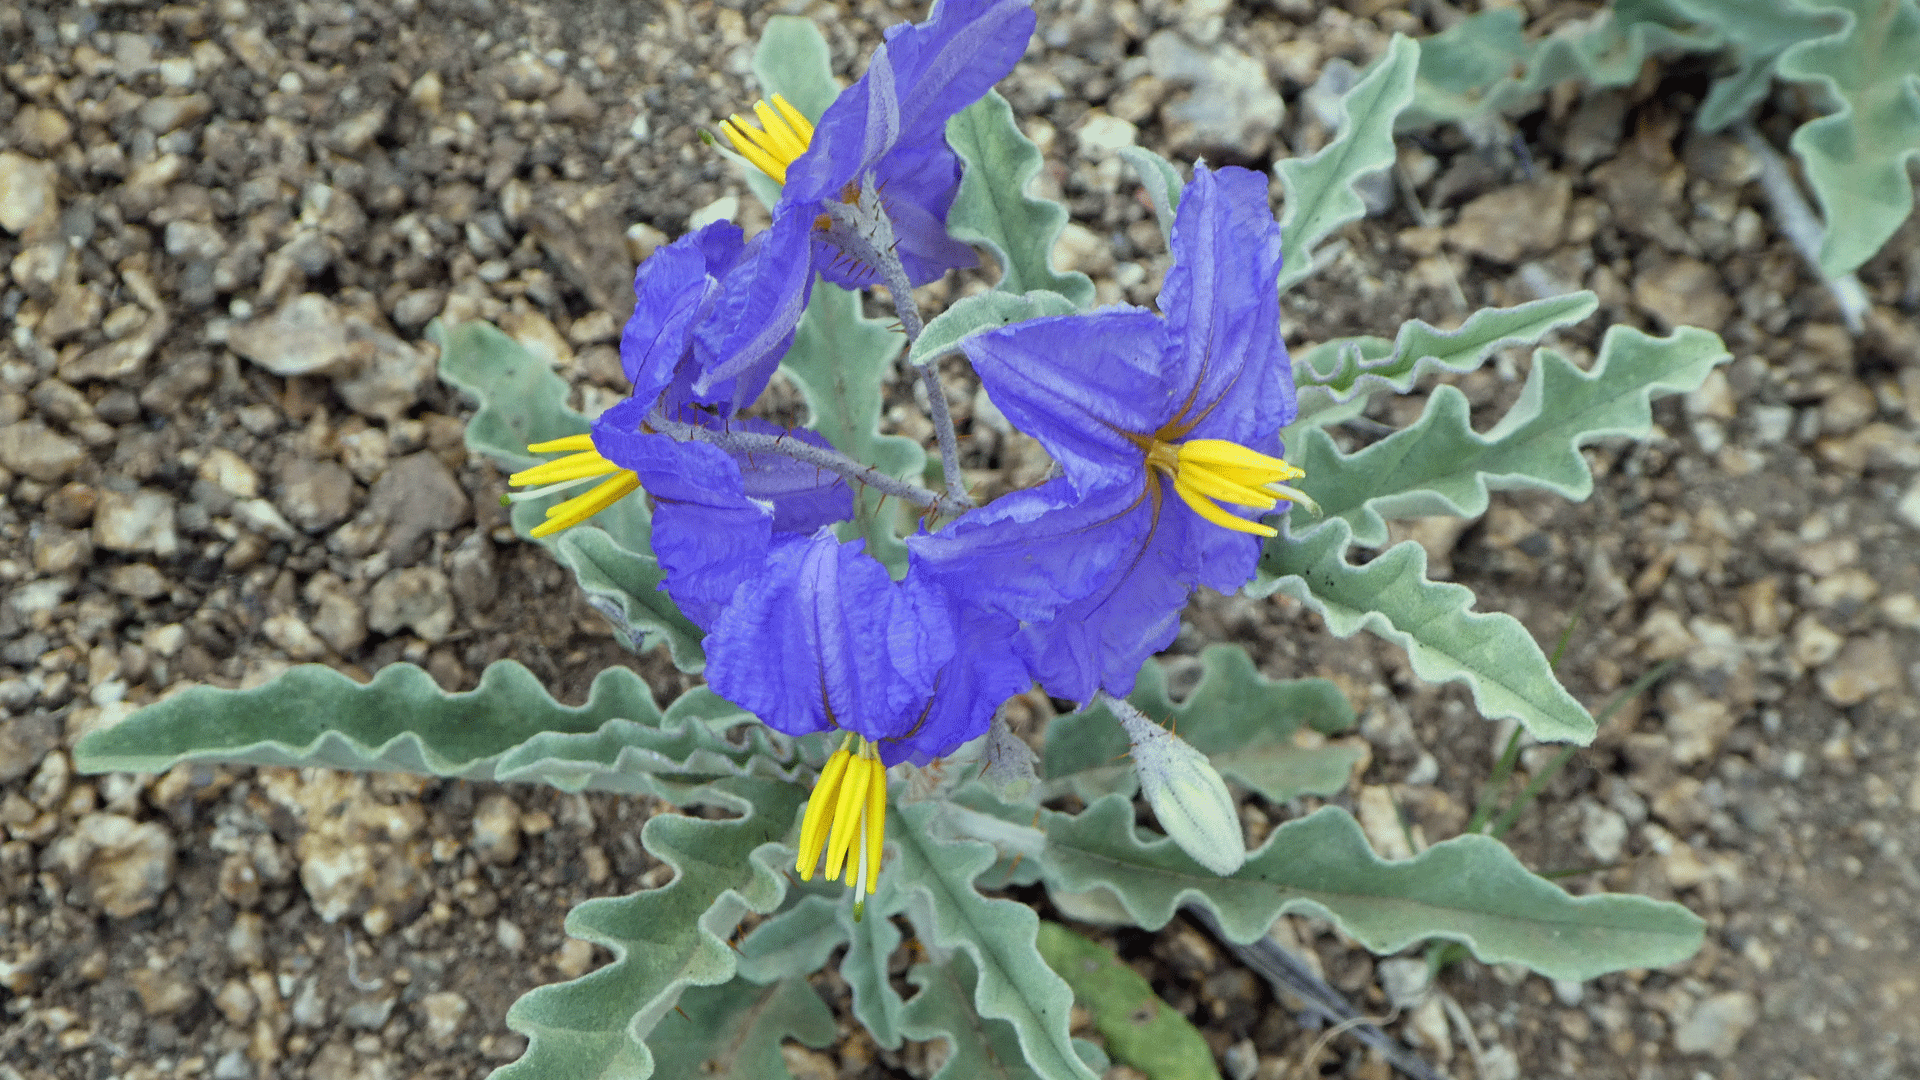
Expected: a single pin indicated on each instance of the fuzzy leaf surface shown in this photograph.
(1350, 366)
(1163, 184)
(400, 721)
(1140, 1029)
(794, 943)
(624, 586)
(734, 1031)
(970, 315)
(1434, 621)
(701, 738)
(1857, 157)
(942, 1008)
(1015, 984)
(841, 361)
(1440, 465)
(664, 940)
(993, 209)
(1243, 721)
(1469, 889)
(1319, 189)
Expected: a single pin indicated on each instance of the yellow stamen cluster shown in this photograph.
(782, 136)
(847, 818)
(1207, 472)
(582, 463)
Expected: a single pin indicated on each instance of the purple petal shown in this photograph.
(1223, 310)
(824, 638)
(983, 673)
(756, 310)
(708, 536)
(1082, 385)
(924, 73)
(670, 288)
(1030, 553)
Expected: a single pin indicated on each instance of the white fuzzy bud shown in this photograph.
(1185, 791)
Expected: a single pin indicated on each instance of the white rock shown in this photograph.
(1101, 134)
(127, 864)
(724, 208)
(229, 472)
(1716, 1025)
(140, 521)
(306, 335)
(1604, 831)
(417, 597)
(443, 1012)
(28, 199)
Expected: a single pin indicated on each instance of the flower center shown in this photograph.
(1208, 472)
(584, 463)
(849, 804)
(782, 136)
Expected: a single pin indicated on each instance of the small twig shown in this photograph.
(754, 442)
(1288, 975)
(1799, 224)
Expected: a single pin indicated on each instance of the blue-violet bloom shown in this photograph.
(884, 135)
(1134, 407)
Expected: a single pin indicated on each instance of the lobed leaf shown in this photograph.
(734, 1031)
(796, 942)
(400, 721)
(841, 361)
(1469, 889)
(693, 744)
(1015, 984)
(1350, 366)
(982, 311)
(1319, 189)
(1140, 1029)
(522, 401)
(871, 941)
(1440, 465)
(1857, 157)
(1244, 722)
(1445, 640)
(624, 586)
(1483, 66)
(942, 1008)
(992, 208)
(665, 940)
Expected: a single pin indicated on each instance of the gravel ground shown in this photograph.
(223, 451)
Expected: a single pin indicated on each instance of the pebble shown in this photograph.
(1683, 292)
(138, 580)
(496, 829)
(306, 335)
(293, 636)
(229, 472)
(339, 620)
(1696, 723)
(416, 597)
(1405, 980)
(31, 449)
(125, 864)
(233, 1065)
(1908, 508)
(29, 202)
(370, 1015)
(1603, 831)
(1233, 106)
(1864, 667)
(441, 1013)
(1512, 223)
(309, 1005)
(235, 1002)
(1380, 820)
(140, 521)
(123, 357)
(1716, 1024)
(315, 495)
(417, 496)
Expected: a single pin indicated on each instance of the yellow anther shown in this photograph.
(782, 136)
(846, 817)
(1207, 472)
(581, 464)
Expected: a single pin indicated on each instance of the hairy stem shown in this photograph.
(855, 472)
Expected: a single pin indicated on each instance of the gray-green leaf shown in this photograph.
(1319, 189)
(1469, 889)
(982, 311)
(1365, 364)
(992, 208)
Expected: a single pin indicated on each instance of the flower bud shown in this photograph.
(1185, 791)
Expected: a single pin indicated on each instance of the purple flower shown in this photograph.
(823, 639)
(715, 513)
(1135, 407)
(886, 134)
